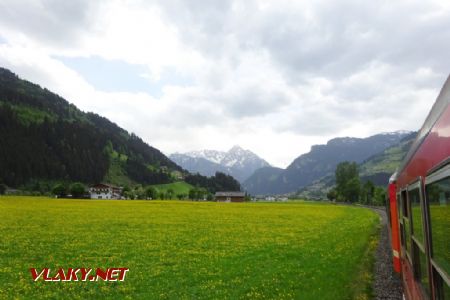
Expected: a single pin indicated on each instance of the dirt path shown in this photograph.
(386, 284)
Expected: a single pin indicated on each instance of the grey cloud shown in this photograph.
(50, 21)
(422, 43)
(314, 122)
(206, 16)
(327, 38)
(348, 35)
(204, 24)
(332, 40)
(255, 101)
(192, 110)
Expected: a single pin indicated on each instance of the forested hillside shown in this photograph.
(44, 138)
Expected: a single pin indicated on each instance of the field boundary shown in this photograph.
(363, 287)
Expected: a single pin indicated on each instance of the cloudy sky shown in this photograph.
(272, 76)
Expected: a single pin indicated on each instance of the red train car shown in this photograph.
(419, 208)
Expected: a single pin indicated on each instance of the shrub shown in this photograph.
(59, 190)
(2, 189)
(77, 190)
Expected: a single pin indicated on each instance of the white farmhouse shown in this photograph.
(105, 191)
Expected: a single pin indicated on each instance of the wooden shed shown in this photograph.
(230, 196)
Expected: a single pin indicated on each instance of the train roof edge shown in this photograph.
(393, 177)
(442, 101)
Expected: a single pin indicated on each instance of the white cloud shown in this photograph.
(272, 76)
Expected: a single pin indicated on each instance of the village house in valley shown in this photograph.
(230, 196)
(105, 191)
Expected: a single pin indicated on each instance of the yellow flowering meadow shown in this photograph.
(186, 250)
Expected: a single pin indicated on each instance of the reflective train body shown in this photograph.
(419, 208)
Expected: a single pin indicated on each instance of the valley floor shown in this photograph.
(188, 250)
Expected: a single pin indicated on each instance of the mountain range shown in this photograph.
(312, 172)
(320, 161)
(377, 168)
(46, 139)
(237, 162)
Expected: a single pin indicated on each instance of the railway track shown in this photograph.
(386, 284)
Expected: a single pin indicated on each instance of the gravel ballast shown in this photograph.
(386, 284)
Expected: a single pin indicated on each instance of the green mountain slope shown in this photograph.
(320, 161)
(377, 168)
(381, 166)
(263, 180)
(47, 139)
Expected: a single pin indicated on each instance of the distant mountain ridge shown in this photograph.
(320, 161)
(237, 162)
(377, 168)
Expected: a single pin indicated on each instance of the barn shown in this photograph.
(230, 196)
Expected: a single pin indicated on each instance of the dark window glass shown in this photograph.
(416, 215)
(438, 194)
(424, 272)
(407, 234)
(402, 235)
(404, 205)
(421, 268)
(446, 291)
(442, 289)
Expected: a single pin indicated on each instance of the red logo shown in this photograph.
(80, 274)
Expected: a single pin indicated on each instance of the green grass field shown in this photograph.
(179, 187)
(187, 250)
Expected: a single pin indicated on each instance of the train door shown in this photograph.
(394, 226)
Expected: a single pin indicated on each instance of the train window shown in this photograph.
(420, 261)
(406, 228)
(446, 292)
(402, 235)
(397, 199)
(421, 268)
(402, 230)
(442, 289)
(437, 190)
(407, 235)
(416, 215)
(404, 205)
(438, 195)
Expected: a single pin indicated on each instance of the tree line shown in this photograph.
(219, 182)
(79, 190)
(350, 188)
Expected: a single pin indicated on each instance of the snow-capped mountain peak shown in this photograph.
(239, 157)
(398, 132)
(238, 162)
(236, 148)
(211, 155)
